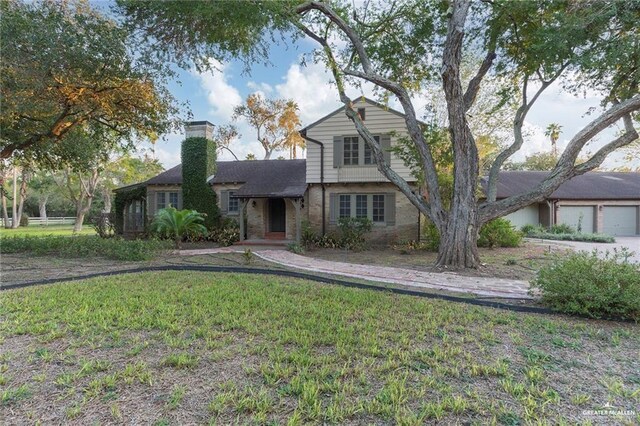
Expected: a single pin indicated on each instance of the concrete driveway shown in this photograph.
(632, 243)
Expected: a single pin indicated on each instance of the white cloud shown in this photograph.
(220, 94)
(262, 88)
(312, 89)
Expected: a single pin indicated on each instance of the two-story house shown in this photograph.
(338, 179)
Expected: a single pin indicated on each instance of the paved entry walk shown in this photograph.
(479, 286)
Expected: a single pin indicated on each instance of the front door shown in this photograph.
(277, 215)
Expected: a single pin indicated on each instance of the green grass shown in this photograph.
(41, 231)
(85, 246)
(258, 349)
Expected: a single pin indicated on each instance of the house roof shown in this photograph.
(267, 178)
(261, 178)
(173, 176)
(589, 186)
(342, 108)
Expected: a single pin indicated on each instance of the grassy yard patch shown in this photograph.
(84, 246)
(224, 348)
(40, 231)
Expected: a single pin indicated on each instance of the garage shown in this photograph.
(620, 220)
(525, 216)
(577, 217)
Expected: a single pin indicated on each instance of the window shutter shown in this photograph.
(385, 143)
(334, 205)
(179, 206)
(151, 203)
(224, 201)
(390, 208)
(338, 151)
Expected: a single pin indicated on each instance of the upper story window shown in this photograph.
(356, 152)
(362, 113)
(351, 151)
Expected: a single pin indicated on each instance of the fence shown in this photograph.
(50, 221)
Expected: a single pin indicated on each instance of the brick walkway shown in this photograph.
(479, 286)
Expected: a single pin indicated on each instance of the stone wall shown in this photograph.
(406, 227)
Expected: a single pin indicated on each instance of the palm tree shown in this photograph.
(177, 224)
(553, 131)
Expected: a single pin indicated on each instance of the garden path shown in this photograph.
(446, 281)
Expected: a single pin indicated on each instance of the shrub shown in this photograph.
(227, 234)
(178, 224)
(295, 248)
(308, 236)
(248, 256)
(103, 224)
(588, 285)
(328, 241)
(528, 229)
(499, 233)
(352, 232)
(590, 238)
(24, 220)
(84, 246)
(430, 236)
(496, 233)
(562, 228)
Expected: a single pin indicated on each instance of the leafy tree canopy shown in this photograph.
(64, 65)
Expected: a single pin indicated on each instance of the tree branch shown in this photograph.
(566, 169)
(518, 122)
(474, 84)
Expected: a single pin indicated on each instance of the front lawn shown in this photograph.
(39, 231)
(177, 348)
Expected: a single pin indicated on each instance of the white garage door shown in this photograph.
(525, 216)
(574, 216)
(620, 220)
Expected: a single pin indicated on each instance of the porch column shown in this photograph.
(297, 203)
(243, 204)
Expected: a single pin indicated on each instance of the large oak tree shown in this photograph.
(65, 65)
(402, 46)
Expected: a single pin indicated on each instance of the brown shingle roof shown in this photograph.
(264, 178)
(261, 178)
(173, 176)
(589, 186)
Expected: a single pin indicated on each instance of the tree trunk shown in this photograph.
(42, 207)
(23, 194)
(459, 241)
(106, 196)
(81, 211)
(5, 213)
(14, 210)
(77, 225)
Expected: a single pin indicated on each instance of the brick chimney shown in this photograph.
(198, 129)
